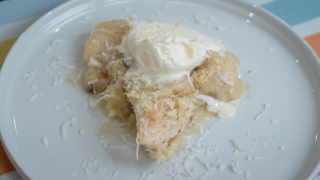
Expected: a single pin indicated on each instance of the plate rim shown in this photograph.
(6, 65)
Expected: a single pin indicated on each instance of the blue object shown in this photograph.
(294, 12)
(15, 10)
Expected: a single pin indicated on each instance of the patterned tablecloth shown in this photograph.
(17, 15)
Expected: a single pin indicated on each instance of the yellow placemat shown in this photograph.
(5, 164)
(5, 47)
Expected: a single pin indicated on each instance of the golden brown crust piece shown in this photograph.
(104, 79)
(161, 116)
(206, 77)
(112, 31)
(110, 34)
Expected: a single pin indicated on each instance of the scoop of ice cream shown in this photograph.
(166, 48)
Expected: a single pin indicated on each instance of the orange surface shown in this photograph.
(314, 41)
(5, 164)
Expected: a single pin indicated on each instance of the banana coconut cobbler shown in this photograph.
(163, 78)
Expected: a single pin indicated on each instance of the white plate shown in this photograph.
(264, 44)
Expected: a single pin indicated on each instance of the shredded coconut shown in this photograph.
(109, 64)
(89, 162)
(215, 148)
(149, 176)
(81, 132)
(225, 80)
(33, 97)
(115, 174)
(221, 28)
(74, 123)
(68, 66)
(93, 81)
(68, 107)
(186, 168)
(282, 148)
(210, 168)
(105, 55)
(95, 62)
(256, 158)
(142, 176)
(64, 127)
(235, 152)
(124, 139)
(197, 20)
(100, 168)
(30, 75)
(94, 103)
(48, 50)
(95, 41)
(45, 140)
(87, 171)
(221, 167)
(246, 173)
(237, 146)
(57, 81)
(266, 106)
(95, 161)
(59, 42)
(55, 62)
(47, 70)
(235, 169)
(85, 19)
(156, 104)
(253, 158)
(84, 163)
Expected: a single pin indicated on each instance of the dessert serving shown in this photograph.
(165, 78)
